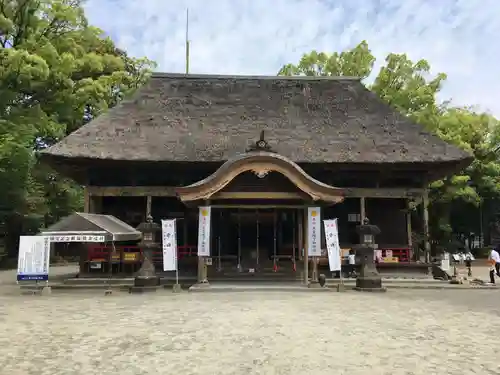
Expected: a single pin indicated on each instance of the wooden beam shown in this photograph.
(382, 192)
(257, 206)
(259, 195)
(132, 191)
(169, 191)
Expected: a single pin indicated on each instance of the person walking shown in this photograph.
(496, 258)
(351, 258)
(494, 261)
(468, 264)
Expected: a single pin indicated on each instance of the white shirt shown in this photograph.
(352, 258)
(495, 256)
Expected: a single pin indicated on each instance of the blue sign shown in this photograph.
(32, 277)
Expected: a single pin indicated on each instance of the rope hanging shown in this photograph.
(239, 239)
(219, 261)
(294, 266)
(258, 235)
(275, 264)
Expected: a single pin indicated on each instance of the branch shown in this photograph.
(21, 21)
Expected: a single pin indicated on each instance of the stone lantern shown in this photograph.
(146, 276)
(369, 279)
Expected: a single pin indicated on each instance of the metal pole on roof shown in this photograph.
(187, 41)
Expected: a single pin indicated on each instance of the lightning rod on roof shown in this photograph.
(187, 41)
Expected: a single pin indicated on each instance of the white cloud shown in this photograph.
(458, 37)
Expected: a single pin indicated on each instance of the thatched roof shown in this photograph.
(213, 118)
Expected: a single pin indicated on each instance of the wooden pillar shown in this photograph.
(149, 201)
(185, 228)
(427, 245)
(82, 248)
(202, 260)
(300, 233)
(362, 209)
(408, 228)
(306, 248)
(86, 200)
(92, 204)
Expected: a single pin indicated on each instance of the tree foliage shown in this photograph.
(56, 73)
(411, 88)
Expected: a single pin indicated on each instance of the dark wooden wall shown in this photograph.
(387, 214)
(182, 174)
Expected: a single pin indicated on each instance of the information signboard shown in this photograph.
(34, 258)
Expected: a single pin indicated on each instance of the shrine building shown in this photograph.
(258, 151)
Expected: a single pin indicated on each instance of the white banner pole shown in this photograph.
(332, 245)
(176, 254)
(170, 262)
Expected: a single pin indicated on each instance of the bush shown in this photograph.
(481, 252)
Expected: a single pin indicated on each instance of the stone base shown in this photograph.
(177, 288)
(314, 284)
(203, 284)
(368, 282)
(46, 290)
(146, 281)
(142, 289)
(322, 280)
(373, 290)
(340, 288)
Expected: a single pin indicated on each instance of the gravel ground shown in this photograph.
(399, 332)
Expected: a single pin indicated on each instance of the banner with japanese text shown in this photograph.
(314, 231)
(332, 244)
(77, 238)
(168, 229)
(204, 231)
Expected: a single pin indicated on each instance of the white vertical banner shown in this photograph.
(34, 258)
(314, 231)
(332, 244)
(169, 234)
(204, 231)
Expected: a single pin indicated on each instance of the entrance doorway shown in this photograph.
(250, 240)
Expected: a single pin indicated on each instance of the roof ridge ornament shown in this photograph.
(260, 145)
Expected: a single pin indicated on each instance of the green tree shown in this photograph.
(410, 87)
(57, 72)
(357, 62)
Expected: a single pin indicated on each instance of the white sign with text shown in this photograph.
(169, 242)
(314, 231)
(204, 231)
(34, 257)
(332, 244)
(77, 238)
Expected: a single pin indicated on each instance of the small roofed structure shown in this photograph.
(84, 227)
